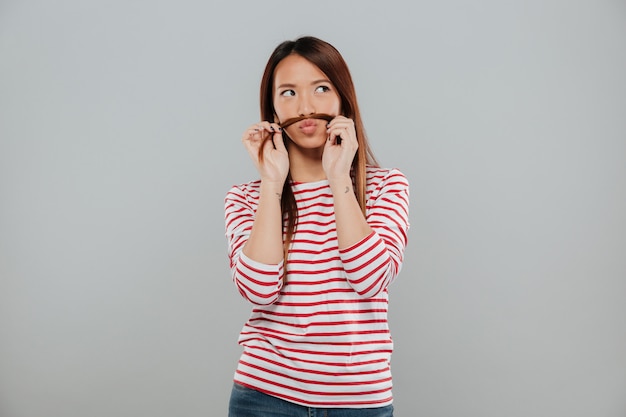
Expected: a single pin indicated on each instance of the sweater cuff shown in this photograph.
(265, 269)
(356, 248)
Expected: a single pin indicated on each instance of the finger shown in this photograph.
(254, 138)
(279, 142)
(342, 130)
(337, 134)
(267, 145)
(254, 131)
(329, 143)
(275, 127)
(269, 130)
(340, 120)
(342, 125)
(276, 131)
(264, 148)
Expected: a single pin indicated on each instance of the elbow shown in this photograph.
(257, 283)
(373, 284)
(377, 281)
(374, 289)
(259, 294)
(258, 298)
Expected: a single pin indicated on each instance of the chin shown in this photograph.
(309, 145)
(309, 142)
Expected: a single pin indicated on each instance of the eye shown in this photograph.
(288, 93)
(322, 89)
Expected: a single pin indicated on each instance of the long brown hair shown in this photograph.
(330, 62)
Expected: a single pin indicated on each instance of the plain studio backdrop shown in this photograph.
(120, 126)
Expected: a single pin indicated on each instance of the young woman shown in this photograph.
(313, 245)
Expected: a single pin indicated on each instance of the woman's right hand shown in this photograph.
(274, 165)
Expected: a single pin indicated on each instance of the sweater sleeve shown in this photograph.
(374, 262)
(257, 282)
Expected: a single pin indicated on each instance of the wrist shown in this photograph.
(340, 185)
(271, 187)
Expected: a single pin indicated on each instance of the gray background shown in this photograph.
(120, 126)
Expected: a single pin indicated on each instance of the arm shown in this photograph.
(337, 161)
(351, 225)
(255, 231)
(258, 282)
(265, 243)
(371, 248)
(374, 261)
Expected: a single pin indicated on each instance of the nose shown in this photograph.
(305, 106)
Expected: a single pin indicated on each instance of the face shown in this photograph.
(301, 88)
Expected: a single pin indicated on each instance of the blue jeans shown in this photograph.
(246, 402)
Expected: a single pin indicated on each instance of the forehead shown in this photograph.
(295, 69)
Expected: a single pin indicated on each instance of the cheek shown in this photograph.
(280, 116)
(280, 111)
(337, 106)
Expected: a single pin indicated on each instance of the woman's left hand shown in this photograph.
(339, 153)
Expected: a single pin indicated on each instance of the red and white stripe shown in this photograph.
(321, 339)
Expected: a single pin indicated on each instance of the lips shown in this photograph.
(308, 123)
(308, 126)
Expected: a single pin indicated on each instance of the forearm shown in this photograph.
(265, 243)
(258, 283)
(373, 257)
(350, 221)
(368, 265)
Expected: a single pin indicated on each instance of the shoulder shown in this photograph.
(388, 178)
(248, 191)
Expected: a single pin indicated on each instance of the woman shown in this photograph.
(313, 246)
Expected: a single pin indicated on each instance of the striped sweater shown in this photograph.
(321, 339)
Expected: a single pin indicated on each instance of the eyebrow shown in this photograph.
(290, 85)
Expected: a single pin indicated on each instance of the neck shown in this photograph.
(306, 165)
